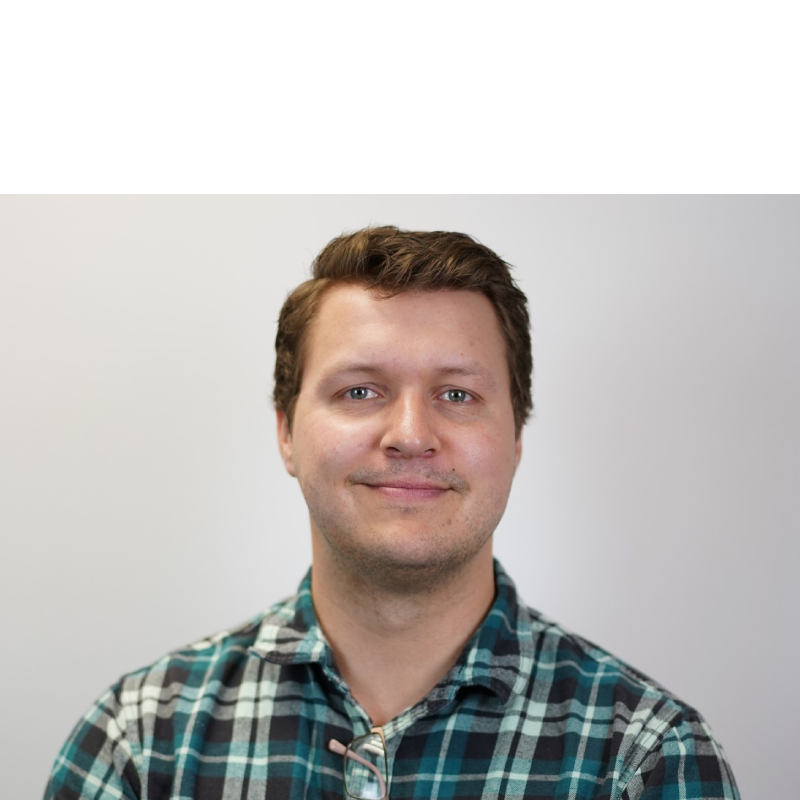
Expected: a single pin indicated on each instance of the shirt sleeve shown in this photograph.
(96, 761)
(689, 764)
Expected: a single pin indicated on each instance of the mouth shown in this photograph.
(408, 489)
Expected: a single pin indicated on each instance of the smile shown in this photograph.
(407, 490)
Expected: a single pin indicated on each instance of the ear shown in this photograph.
(285, 443)
(517, 450)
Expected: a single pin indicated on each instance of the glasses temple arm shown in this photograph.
(338, 747)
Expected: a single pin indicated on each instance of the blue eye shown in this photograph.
(359, 393)
(457, 395)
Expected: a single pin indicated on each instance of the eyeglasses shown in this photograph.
(366, 773)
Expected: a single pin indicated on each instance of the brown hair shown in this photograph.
(388, 261)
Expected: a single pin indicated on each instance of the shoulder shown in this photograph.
(652, 737)
(567, 671)
(204, 662)
(564, 658)
(135, 728)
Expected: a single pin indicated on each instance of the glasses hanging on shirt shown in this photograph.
(366, 770)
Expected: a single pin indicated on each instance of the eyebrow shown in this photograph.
(466, 370)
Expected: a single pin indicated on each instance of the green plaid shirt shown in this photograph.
(529, 711)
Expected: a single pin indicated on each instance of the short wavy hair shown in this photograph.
(388, 261)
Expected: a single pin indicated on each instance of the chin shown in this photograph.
(418, 566)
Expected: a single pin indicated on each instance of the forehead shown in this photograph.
(446, 329)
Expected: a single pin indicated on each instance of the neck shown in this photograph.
(392, 647)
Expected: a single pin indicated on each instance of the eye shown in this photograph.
(359, 393)
(457, 396)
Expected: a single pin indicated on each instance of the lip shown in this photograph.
(408, 489)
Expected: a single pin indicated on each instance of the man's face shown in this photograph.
(403, 437)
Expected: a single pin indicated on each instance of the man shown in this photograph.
(406, 666)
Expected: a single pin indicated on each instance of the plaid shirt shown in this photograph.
(529, 711)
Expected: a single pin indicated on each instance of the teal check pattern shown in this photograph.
(530, 710)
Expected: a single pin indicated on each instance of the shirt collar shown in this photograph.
(499, 656)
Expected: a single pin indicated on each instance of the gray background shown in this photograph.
(655, 511)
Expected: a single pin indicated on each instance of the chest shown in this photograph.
(277, 747)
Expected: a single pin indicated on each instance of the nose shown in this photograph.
(410, 429)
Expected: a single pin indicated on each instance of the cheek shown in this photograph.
(328, 451)
(483, 458)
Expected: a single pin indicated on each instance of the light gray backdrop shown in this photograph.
(655, 511)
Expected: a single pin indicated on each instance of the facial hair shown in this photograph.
(427, 558)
